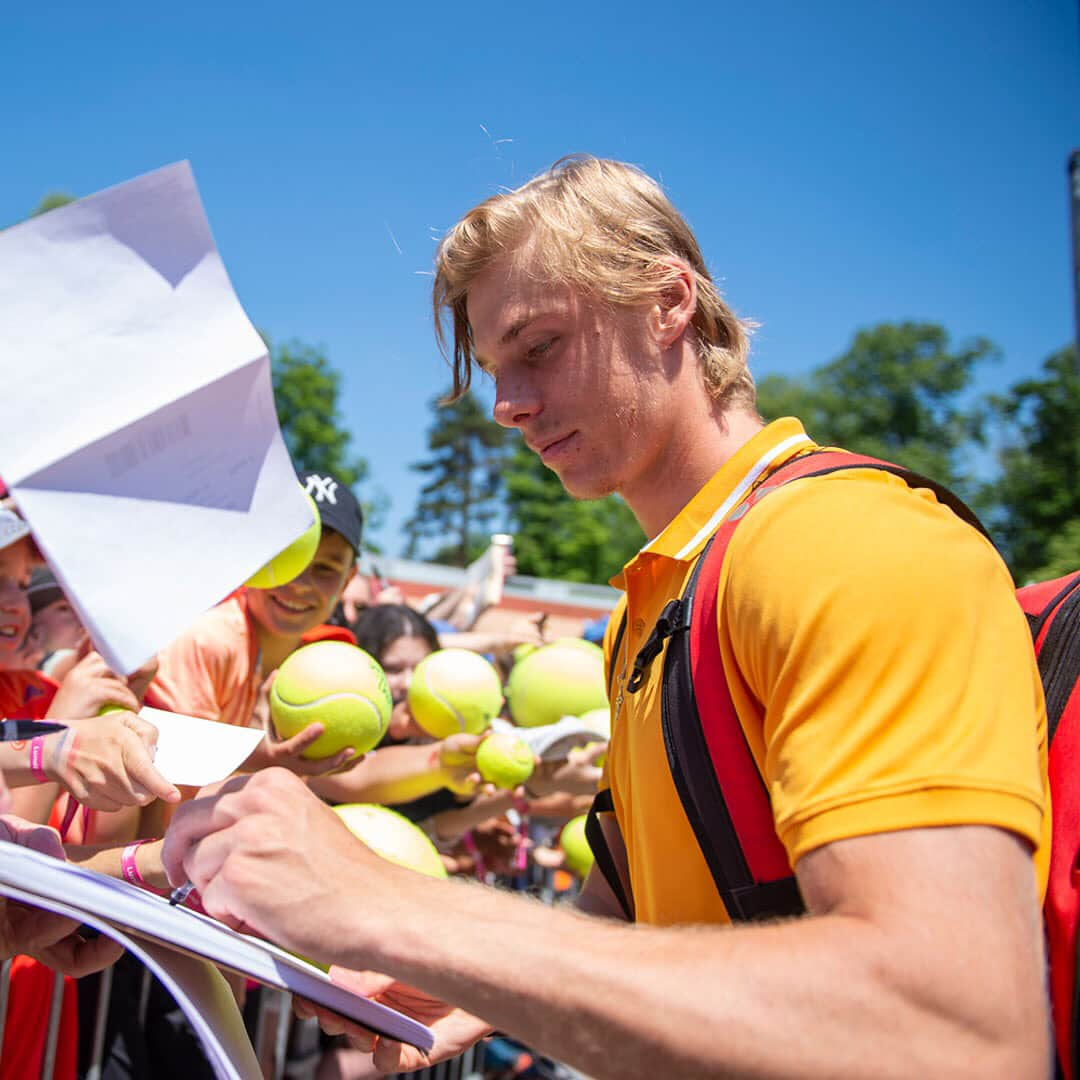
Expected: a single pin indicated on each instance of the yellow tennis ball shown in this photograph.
(575, 846)
(565, 678)
(505, 760)
(393, 837)
(293, 560)
(454, 690)
(338, 685)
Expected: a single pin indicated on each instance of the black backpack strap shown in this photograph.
(616, 646)
(602, 804)
(1059, 656)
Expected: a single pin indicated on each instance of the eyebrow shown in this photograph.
(512, 332)
(516, 328)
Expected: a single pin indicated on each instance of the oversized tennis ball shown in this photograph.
(293, 560)
(338, 685)
(505, 760)
(454, 690)
(393, 837)
(565, 678)
(579, 856)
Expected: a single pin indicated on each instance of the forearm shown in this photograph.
(35, 803)
(390, 776)
(451, 824)
(828, 996)
(16, 766)
(107, 860)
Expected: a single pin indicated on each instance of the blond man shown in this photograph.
(879, 668)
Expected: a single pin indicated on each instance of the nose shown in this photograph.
(517, 401)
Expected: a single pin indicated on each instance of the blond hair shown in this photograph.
(602, 227)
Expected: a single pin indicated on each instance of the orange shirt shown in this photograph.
(25, 695)
(213, 669)
(878, 662)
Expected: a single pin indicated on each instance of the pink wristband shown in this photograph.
(468, 841)
(130, 870)
(37, 759)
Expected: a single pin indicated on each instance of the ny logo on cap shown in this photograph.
(322, 488)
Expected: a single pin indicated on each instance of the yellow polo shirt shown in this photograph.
(879, 664)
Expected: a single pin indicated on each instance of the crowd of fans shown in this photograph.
(91, 794)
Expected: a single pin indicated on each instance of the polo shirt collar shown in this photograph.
(688, 531)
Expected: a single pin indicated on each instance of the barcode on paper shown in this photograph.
(149, 442)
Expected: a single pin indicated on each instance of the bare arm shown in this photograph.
(399, 774)
(922, 955)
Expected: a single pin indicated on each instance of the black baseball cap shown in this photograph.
(338, 506)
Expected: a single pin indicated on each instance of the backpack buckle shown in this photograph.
(671, 622)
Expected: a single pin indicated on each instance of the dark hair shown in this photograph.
(379, 626)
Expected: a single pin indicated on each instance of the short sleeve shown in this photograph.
(191, 677)
(878, 641)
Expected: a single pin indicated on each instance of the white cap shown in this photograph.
(12, 528)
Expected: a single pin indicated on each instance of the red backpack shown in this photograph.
(1053, 611)
(724, 796)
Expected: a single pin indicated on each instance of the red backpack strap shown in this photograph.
(722, 791)
(1053, 611)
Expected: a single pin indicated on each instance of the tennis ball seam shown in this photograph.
(340, 695)
(455, 712)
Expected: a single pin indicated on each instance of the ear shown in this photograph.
(675, 307)
(349, 575)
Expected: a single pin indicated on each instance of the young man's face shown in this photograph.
(306, 601)
(16, 562)
(585, 384)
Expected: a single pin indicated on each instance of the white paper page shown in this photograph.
(140, 437)
(194, 751)
(125, 906)
(196, 985)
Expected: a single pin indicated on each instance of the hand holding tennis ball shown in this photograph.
(454, 690)
(337, 685)
(505, 761)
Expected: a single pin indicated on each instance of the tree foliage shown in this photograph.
(306, 391)
(557, 536)
(899, 392)
(52, 201)
(460, 497)
(1036, 498)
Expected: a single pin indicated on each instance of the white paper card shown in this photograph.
(194, 751)
(140, 438)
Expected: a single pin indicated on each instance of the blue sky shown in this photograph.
(842, 163)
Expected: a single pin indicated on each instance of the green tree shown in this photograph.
(900, 392)
(1036, 498)
(460, 498)
(306, 391)
(556, 536)
(51, 201)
